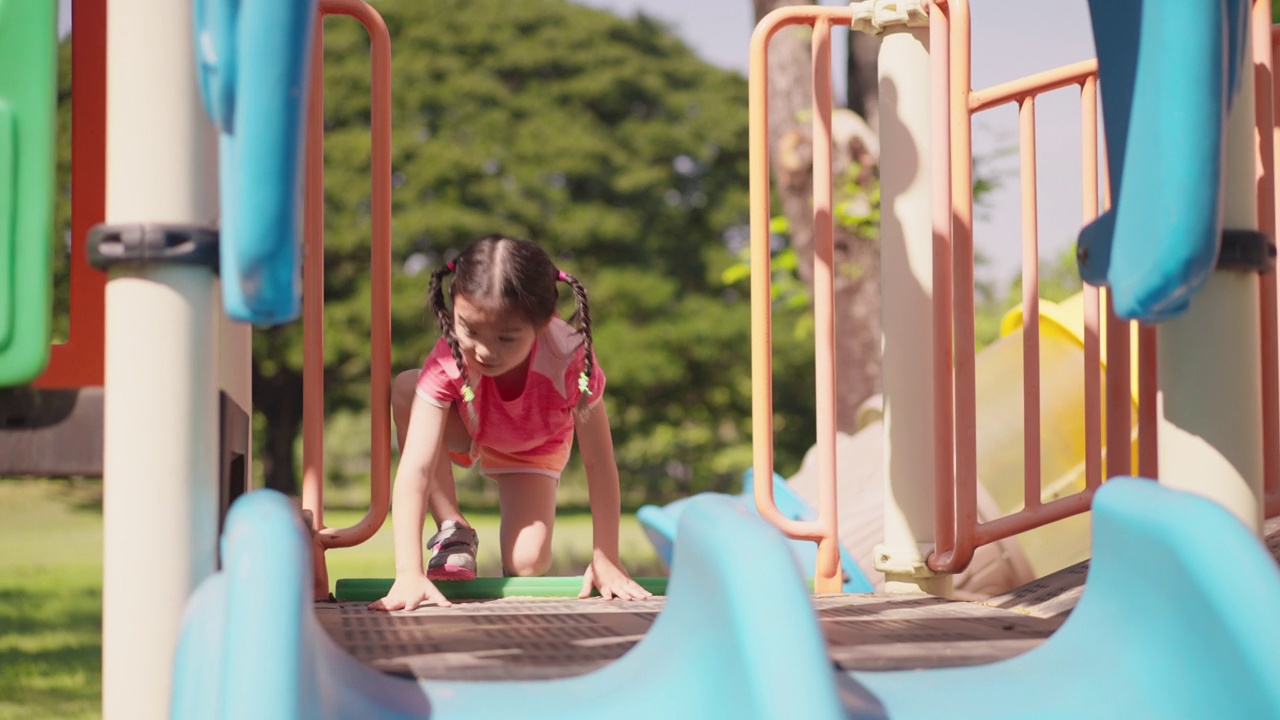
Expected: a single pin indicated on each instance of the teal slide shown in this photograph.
(1168, 72)
(660, 523)
(724, 645)
(252, 59)
(1177, 621)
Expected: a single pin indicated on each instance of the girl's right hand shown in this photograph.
(408, 592)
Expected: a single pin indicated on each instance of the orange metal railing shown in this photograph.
(380, 290)
(959, 532)
(825, 529)
(1266, 57)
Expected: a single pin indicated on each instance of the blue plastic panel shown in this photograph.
(1168, 72)
(732, 640)
(252, 59)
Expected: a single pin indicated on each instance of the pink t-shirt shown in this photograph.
(537, 427)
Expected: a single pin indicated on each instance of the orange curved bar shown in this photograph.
(78, 362)
(824, 530)
(1030, 306)
(1032, 518)
(313, 317)
(1092, 338)
(1264, 104)
(1065, 76)
(380, 301)
(313, 293)
(943, 359)
(958, 531)
(955, 545)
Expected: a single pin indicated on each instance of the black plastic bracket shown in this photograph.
(1247, 251)
(152, 243)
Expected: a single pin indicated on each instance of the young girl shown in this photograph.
(506, 386)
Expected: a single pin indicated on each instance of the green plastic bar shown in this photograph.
(486, 588)
(28, 162)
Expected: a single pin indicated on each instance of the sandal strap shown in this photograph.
(453, 535)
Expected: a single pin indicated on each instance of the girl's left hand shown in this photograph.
(612, 581)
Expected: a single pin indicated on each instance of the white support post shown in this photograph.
(160, 463)
(1209, 398)
(906, 281)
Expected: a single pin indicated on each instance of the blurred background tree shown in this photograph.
(608, 141)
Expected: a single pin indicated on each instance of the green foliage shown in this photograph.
(607, 141)
(857, 207)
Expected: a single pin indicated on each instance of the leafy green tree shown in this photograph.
(604, 139)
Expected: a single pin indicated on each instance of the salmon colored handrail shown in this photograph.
(958, 500)
(380, 261)
(1092, 336)
(1030, 305)
(1265, 38)
(958, 531)
(825, 529)
(943, 358)
(1065, 76)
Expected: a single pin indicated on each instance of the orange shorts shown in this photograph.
(495, 462)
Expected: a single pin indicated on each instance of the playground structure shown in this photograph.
(243, 656)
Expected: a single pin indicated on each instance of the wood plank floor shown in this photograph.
(527, 639)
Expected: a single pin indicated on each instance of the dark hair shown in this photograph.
(517, 276)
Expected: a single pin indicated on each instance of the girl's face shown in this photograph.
(492, 341)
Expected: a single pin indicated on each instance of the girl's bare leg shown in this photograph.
(528, 505)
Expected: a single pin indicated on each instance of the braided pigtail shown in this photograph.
(445, 318)
(581, 317)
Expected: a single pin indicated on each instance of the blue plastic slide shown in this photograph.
(252, 57)
(725, 645)
(1168, 72)
(1178, 620)
(660, 525)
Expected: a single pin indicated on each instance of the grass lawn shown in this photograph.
(50, 600)
(51, 586)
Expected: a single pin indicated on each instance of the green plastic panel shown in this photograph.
(486, 588)
(28, 161)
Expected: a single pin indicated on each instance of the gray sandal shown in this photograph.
(453, 552)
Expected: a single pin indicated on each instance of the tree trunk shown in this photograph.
(857, 285)
(279, 398)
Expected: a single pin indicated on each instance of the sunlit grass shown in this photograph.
(50, 600)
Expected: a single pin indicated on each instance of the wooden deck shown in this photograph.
(527, 639)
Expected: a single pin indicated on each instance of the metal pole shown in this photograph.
(906, 267)
(160, 461)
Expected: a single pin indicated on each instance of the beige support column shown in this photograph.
(1209, 397)
(160, 463)
(906, 271)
